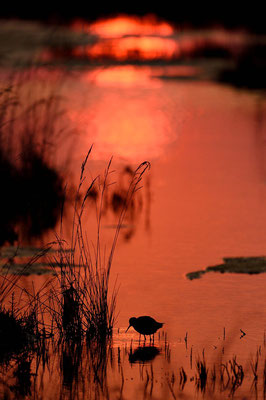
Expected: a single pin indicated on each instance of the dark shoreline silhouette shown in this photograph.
(198, 15)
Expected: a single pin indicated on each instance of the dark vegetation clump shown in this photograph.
(22, 326)
(210, 50)
(32, 188)
(8, 176)
(13, 335)
(38, 209)
(249, 69)
(18, 333)
(23, 377)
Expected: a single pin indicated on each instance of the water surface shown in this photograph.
(203, 199)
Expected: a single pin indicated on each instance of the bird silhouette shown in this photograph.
(144, 325)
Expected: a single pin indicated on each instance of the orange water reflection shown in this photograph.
(126, 37)
(123, 77)
(127, 115)
(145, 48)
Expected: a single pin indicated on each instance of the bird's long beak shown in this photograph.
(128, 328)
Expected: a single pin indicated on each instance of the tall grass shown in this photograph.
(21, 315)
(83, 302)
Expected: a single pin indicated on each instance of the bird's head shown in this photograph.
(131, 322)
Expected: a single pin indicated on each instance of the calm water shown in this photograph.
(203, 199)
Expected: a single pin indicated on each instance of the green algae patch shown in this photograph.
(27, 269)
(237, 265)
(10, 252)
(195, 274)
(28, 260)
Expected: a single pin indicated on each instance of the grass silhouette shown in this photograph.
(81, 296)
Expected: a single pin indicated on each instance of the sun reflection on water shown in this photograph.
(127, 117)
(123, 77)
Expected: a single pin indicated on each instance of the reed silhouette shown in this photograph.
(80, 298)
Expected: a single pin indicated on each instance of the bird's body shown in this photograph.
(145, 325)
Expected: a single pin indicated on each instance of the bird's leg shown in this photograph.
(153, 339)
(144, 338)
(150, 339)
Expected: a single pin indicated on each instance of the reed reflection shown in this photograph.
(94, 369)
(84, 368)
(23, 376)
(71, 359)
(114, 200)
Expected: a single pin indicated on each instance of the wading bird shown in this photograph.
(145, 325)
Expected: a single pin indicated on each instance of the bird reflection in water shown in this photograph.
(143, 354)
